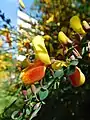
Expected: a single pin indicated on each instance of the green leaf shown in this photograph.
(56, 85)
(5, 102)
(34, 113)
(43, 94)
(5, 99)
(74, 62)
(28, 111)
(16, 116)
(70, 70)
(59, 73)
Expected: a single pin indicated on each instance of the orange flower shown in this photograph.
(8, 39)
(34, 73)
(77, 78)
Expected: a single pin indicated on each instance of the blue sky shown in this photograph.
(10, 7)
(28, 3)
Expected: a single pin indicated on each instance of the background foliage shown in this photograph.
(54, 98)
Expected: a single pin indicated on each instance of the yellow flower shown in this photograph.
(4, 64)
(4, 31)
(47, 37)
(40, 49)
(2, 57)
(47, 1)
(75, 24)
(86, 25)
(58, 64)
(51, 19)
(4, 76)
(63, 38)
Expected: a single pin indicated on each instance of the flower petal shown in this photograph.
(77, 78)
(58, 64)
(33, 75)
(51, 19)
(75, 24)
(40, 49)
(63, 38)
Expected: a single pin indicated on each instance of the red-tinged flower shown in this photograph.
(34, 73)
(8, 39)
(24, 92)
(77, 78)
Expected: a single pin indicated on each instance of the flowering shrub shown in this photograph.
(49, 60)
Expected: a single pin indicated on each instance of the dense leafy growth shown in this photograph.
(46, 58)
